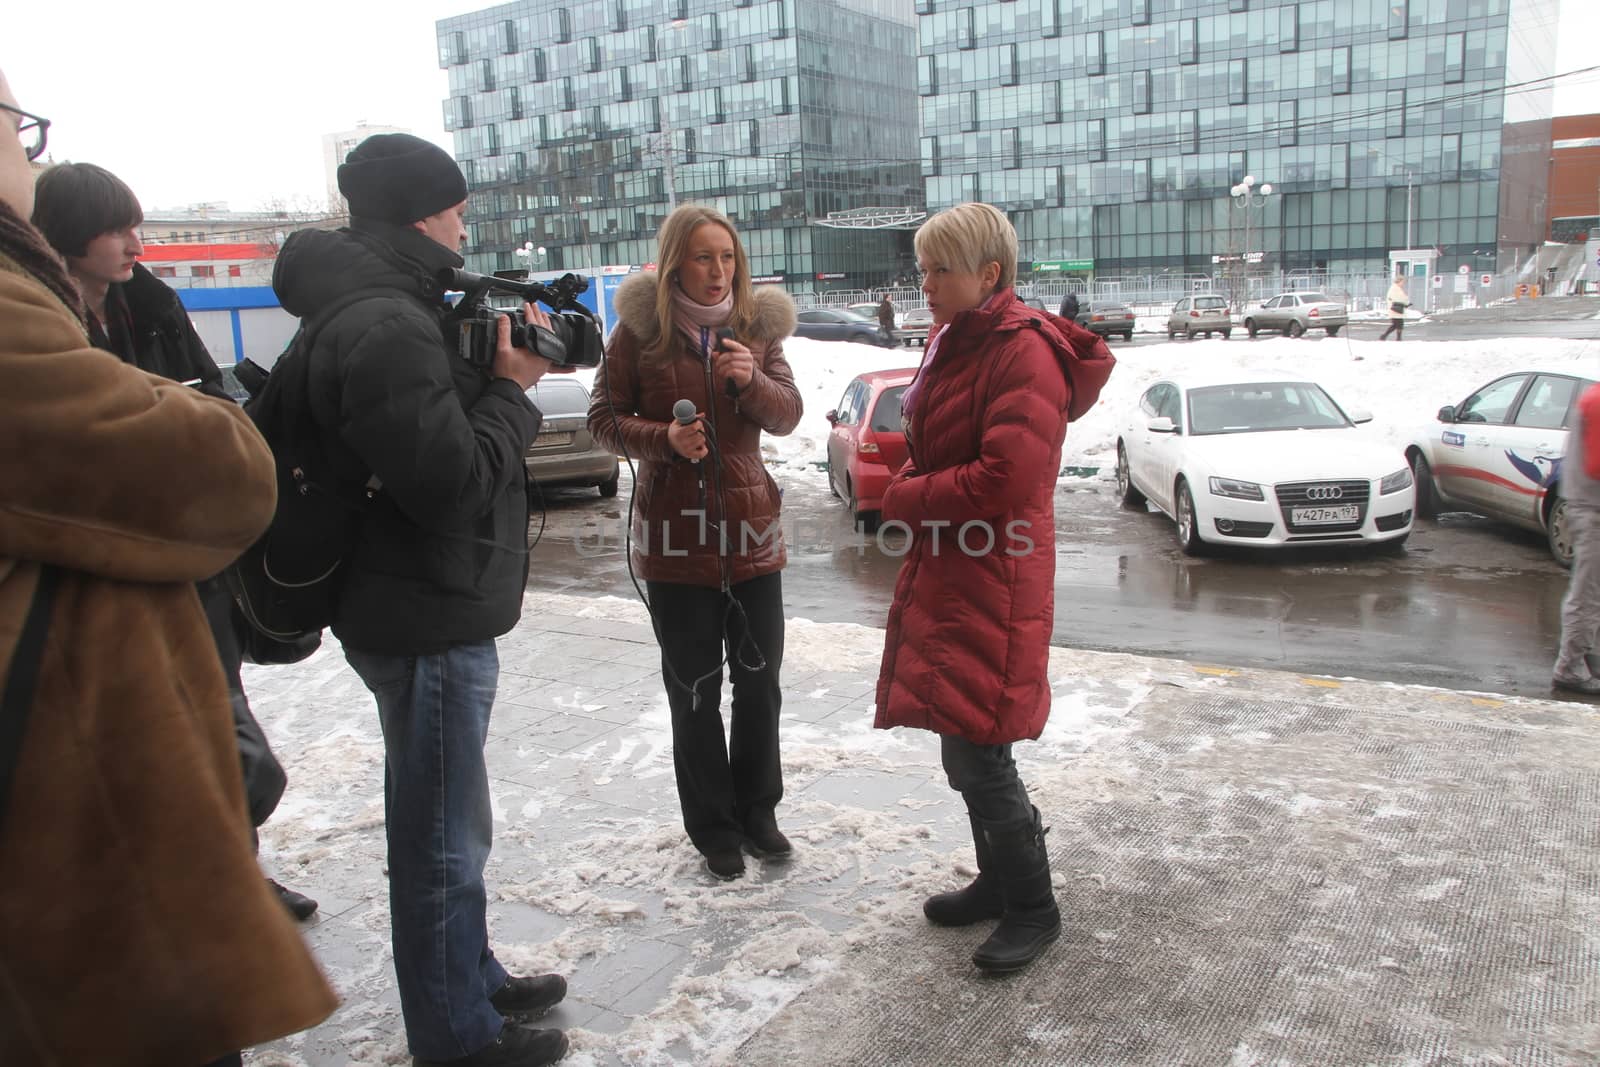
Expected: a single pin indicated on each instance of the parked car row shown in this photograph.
(1232, 457)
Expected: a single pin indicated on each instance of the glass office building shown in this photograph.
(578, 122)
(1112, 131)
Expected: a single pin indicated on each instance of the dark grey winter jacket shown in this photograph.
(443, 552)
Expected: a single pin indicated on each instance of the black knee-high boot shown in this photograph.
(979, 900)
(1031, 919)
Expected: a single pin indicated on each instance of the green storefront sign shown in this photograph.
(1063, 265)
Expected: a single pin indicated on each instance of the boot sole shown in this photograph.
(1013, 966)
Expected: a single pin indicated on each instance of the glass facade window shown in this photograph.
(1394, 113)
(774, 111)
(1165, 114)
(1399, 18)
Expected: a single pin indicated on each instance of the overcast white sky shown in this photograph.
(205, 101)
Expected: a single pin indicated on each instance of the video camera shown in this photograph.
(573, 339)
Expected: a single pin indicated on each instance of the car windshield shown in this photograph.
(1314, 298)
(886, 413)
(918, 314)
(1255, 407)
(1209, 302)
(558, 397)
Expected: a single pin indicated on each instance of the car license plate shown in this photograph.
(1319, 516)
(552, 439)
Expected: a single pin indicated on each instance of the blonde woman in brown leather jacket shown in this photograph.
(707, 538)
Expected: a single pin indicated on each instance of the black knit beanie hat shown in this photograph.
(395, 177)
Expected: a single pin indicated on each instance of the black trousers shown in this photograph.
(1396, 327)
(264, 778)
(986, 777)
(725, 783)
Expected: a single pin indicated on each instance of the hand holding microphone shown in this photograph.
(733, 362)
(685, 433)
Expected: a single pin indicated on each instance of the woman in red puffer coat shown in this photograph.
(968, 640)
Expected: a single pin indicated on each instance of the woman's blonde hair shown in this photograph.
(672, 248)
(966, 237)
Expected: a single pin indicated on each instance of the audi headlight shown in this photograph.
(1236, 489)
(1393, 483)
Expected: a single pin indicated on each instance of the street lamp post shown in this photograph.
(1248, 197)
(528, 253)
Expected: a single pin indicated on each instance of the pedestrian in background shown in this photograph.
(92, 218)
(714, 598)
(1398, 300)
(968, 641)
(1577, 666)
(1069, 307)
(886, 319)
(135, 927)
(436, 574)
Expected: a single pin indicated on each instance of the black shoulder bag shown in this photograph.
(23, 678)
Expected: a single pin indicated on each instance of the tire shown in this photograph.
(1128, 336)
(1172, 335)
(834, 489)
(1225, 334)
(1333, 331)
(1251, 327)
(1558, 531)
(608, 488)
(1188, 526)
(1188, 335)
(1295, 329)
(1131, 497)
(1427, 506)
(865, 521)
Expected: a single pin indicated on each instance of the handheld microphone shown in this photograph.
(725, 334)
(684, 414)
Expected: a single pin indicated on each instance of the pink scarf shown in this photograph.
(699, 322)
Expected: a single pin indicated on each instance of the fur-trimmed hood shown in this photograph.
(636, 308)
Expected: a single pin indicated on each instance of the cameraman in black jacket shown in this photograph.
(436, 575)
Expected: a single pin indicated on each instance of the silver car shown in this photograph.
(1203, 313)
(1293, 314)
(563, 452)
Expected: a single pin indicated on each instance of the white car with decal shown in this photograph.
(1498, 453)
(1261, 458)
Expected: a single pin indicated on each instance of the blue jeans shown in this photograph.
(435, 716)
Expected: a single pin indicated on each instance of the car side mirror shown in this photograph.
(1359, 416)
(832, 417)
(1447, 413)
(1162, 424)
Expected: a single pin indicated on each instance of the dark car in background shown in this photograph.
(563, 453)
(841, 324)
(867, 444)
(1106, 318)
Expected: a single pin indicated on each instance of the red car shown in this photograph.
(867, 445)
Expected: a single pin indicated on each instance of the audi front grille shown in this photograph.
(1293, 495)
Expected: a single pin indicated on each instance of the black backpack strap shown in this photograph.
(23, 678)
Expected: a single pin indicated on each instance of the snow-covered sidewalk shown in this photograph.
(592, 875)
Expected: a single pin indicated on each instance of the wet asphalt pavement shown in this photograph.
(1470, 604)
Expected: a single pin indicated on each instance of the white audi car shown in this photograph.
(1249, 458)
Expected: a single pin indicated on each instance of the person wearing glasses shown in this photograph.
(135, 926)
(92, 219)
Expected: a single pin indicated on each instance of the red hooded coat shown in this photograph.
(969, 630)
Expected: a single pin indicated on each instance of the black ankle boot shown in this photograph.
(1031, 919)
(978, 901)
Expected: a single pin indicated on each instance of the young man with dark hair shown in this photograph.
(92, 218)
(436, 574)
